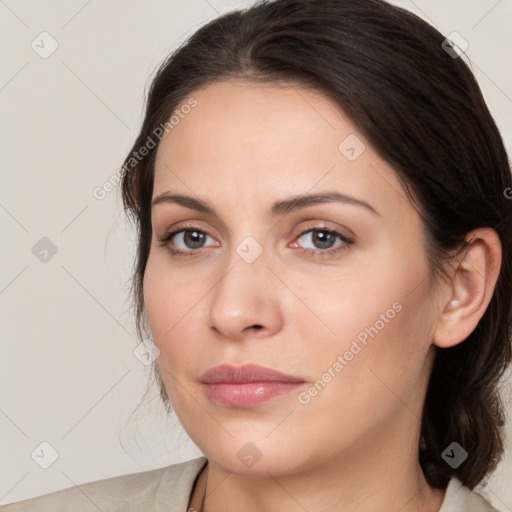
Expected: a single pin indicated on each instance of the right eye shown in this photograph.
(186, 240)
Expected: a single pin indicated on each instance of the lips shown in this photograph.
(246, 386)
(247, 373)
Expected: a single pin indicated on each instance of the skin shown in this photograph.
(354, 446)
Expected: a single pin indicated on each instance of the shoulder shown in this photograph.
(164, 489)
(459, 498)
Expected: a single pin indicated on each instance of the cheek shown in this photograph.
(373, 329)
(378, 358)
(336, 308)
(169, 298)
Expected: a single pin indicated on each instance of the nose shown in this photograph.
(245, 301)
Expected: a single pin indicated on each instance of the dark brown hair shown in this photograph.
(423, 112)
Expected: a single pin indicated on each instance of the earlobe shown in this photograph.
(470, 289)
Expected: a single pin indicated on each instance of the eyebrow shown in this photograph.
(281, 207)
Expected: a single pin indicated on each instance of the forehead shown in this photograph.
(268, 121)
(263, 141)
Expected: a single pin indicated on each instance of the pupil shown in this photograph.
(323, 239)
(194, 239)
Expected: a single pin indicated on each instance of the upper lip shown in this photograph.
(226, 373)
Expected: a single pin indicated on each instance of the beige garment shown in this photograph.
(168, 490)
(165, 489)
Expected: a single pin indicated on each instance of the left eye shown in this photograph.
(322, 239)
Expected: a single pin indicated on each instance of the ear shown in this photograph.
(470, 288)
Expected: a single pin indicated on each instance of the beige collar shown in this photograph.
(196, 503)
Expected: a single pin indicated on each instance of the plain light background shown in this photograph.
(68, 374)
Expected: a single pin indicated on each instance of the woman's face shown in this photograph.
(335, 293)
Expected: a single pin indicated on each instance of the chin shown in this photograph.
(255, 458)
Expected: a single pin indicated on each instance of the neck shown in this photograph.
(348, 485)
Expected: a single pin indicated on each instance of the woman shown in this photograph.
(324, 265)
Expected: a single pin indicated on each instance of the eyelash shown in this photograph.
(319, 253)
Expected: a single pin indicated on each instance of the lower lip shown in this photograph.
(248, 394)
